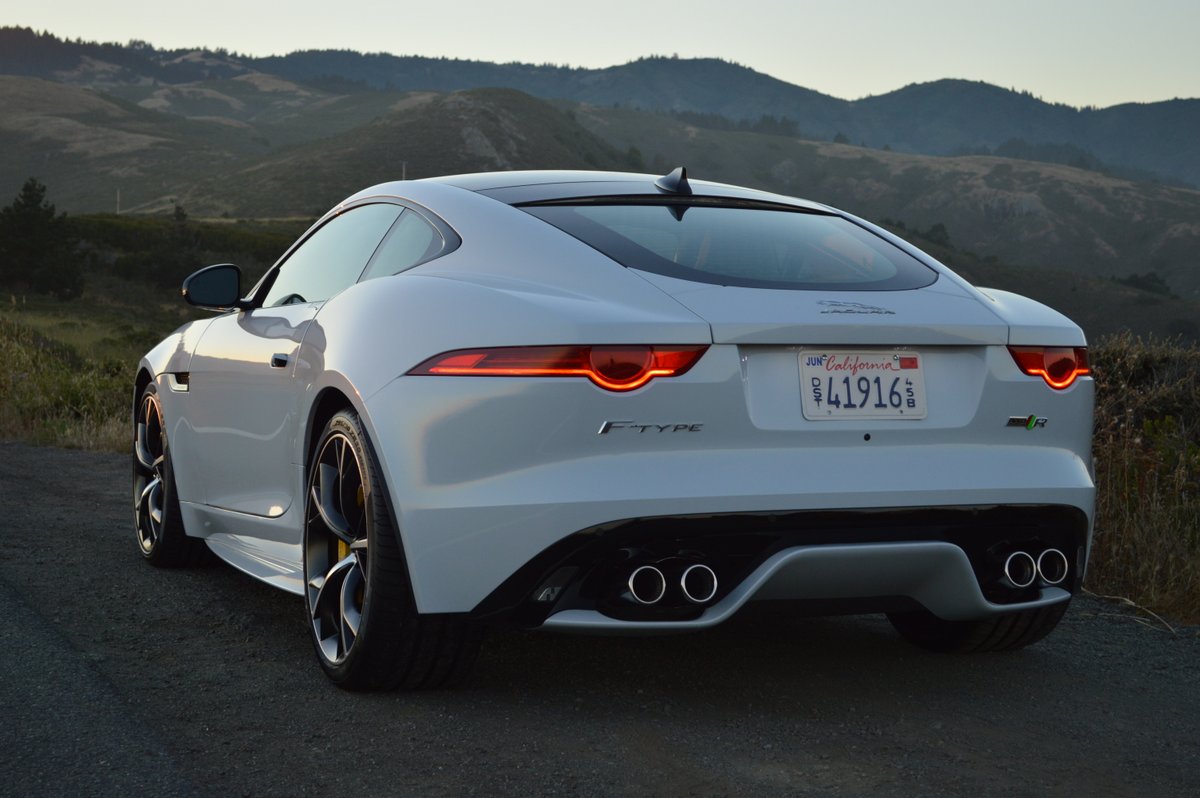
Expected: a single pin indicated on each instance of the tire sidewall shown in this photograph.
(367, 640)
(170, 532)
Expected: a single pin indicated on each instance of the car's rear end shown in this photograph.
(855, 430)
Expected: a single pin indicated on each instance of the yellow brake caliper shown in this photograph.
(343, 548)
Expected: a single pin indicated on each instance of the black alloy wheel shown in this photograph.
(366, 631)
(157, 521)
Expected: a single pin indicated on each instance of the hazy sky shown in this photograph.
(1099, 52)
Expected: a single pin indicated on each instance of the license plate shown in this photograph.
(839, 384)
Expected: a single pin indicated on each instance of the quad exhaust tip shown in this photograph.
(1052, 566)
(699, 584)
(647, 585)
(1020, 569)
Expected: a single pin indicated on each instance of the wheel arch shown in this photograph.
(143, 378)
(330, 401)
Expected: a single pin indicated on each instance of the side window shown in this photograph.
(333, 257)
(412, 240)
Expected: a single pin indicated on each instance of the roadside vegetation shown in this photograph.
(82, 298)
(50, 394)
(67, 360)
(1147, 450)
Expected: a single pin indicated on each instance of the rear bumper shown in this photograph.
(487, 475)
(463, 540)
(936, 575)
(948, 560)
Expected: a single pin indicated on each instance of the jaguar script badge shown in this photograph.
(833, 306)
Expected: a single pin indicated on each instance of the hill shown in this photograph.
(1052, 232)
(89, 145)
(1034, 214)
(938, 118)
(427, 135)
(273, 111)
(238, 140)
(85, 145)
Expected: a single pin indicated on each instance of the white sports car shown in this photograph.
(615, 403)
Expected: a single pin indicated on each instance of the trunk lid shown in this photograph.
(941, 314)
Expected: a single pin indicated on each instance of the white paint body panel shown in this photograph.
(502, 467)
(483, 474)
(244, 412)
(939, 314)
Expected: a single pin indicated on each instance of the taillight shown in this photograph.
(614, 368)
(1057, 365)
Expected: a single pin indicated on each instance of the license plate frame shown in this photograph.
(875, 384)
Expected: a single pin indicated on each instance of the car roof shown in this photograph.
(519, 187)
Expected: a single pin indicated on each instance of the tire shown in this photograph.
(157, 522)
(365, 628)
(999, 633)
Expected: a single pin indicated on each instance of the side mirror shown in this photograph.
(218, 287)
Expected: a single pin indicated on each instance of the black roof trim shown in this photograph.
(698, 200)
(520, 187)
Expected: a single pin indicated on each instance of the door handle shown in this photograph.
(279, 360)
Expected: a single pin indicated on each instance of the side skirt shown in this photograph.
(267, 549)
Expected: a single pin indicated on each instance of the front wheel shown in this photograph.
(367, 633)
(157, 520)
(998, 633)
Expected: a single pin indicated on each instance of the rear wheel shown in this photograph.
(157, 521)
(1000, 633)
(365, 628)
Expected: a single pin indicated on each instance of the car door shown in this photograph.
(244, 398)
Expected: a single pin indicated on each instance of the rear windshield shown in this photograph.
(745, 246)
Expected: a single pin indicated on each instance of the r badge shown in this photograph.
(1028, 422)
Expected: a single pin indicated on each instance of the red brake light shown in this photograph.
(1057, 365)
(614, 368)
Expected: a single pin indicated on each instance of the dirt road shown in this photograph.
(118, 678)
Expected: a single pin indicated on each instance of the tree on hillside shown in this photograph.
(37, 250)
(165, 256)
(937, 234)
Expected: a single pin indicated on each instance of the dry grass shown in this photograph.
(50, 395)
(1147, 448)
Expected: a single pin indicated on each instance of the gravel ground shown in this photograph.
(119, 678)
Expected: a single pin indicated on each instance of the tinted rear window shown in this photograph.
(744, 246)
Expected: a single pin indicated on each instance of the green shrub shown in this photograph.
(50, 395)
(1147, 449)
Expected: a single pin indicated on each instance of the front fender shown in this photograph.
(173, 354)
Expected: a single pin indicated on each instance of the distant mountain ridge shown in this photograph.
(477, 130)
(136, 129)
(939, 118)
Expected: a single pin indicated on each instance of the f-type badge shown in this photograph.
(1028, 422)
(642, 429)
